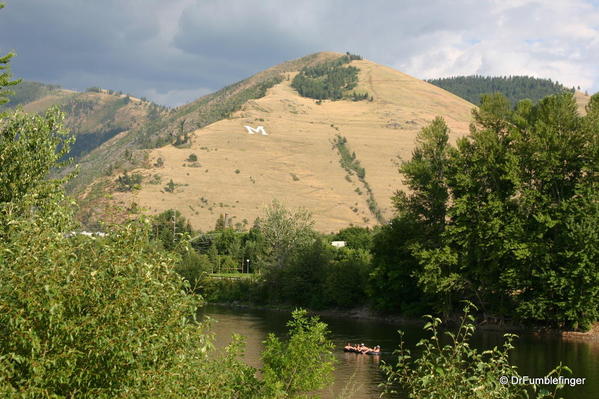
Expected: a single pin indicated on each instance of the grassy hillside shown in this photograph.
(127, 150)
(337, 158)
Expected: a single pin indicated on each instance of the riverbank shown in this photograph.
(364, 313)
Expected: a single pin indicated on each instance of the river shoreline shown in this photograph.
(364, 313)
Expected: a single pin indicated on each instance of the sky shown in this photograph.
(175, 51)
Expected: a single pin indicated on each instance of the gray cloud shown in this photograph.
(172, 51)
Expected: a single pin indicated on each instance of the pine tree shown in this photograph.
(5, 76)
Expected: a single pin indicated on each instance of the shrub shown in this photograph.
(192, 158)
(128, 182)
(109, 318)
(156, 179)
(302, 364)
(170, 186)
(193, 266)
(457, 370)
(68, 307)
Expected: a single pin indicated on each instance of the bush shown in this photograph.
(156, 179)
(69, 307)
(302, 364)
(193, 266)
(456, 370)
(170, 186)
(128, 182)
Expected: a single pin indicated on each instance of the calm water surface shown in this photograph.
(534, 356)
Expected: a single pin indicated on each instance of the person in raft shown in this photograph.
(377, 349)
(363, 349)
(349, 348)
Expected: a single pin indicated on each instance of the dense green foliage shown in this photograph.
(508, 218)
(457, 371)
(284, 261)
(30, 147)
(302, 364)
(171, 229)
(329, 80)
(356, 237)
(515, 88)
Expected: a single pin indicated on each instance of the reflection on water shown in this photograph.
(534, 356)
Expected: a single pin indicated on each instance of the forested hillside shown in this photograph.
(331, 80)
(515, 88)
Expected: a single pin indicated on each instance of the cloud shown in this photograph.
(169, 51)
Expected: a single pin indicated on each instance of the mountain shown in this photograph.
(336, 158)
(94, 116)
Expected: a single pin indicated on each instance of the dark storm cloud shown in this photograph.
(113, 44)
(58, 37)
(239, 35)
(174, 51)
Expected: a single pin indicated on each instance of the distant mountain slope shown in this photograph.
(515, 88)
(94, 116)
(27, 92)
(218, 167)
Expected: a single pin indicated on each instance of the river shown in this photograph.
(533, 355)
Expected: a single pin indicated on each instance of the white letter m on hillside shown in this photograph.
(259, 129)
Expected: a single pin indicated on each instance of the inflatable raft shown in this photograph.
(372, 353)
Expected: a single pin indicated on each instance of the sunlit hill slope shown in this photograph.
(297, 162)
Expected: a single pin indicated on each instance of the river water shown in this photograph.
(534, 356)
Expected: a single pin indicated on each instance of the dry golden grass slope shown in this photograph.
(238, 173)
(582, 100)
